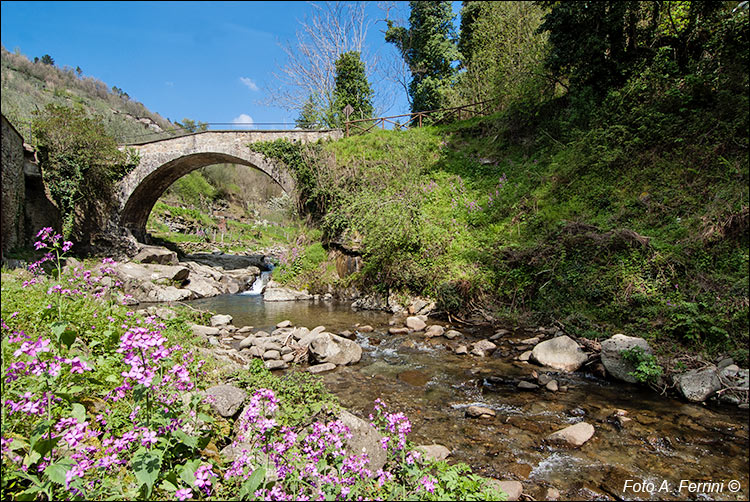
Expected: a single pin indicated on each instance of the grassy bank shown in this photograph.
(632, 219)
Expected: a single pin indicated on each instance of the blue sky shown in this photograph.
(207, 61)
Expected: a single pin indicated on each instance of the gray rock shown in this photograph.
(220, 320)
(612, 359)
(245, 329)
(699, 385)
(271, 354)
(574, 435)
(552, 386)
(435, 452)
(415, 323)
(204, 331)
(287, 358)
(317, 330)
(530, 341)
(320, 368)
(213, 340)
(461, 350)
(513, 489)
(561, 353)
(156, 254)
(524, 385)
(366, 329)
(543, 379)
(525, 356)
(152, 272)
(417, 305)
(225, 399)
(164, 294)
(247, 342)
(281, 294)
(300, 332)
(284, 324)
(365, 439)
(276, 364)
(483, 348)
(398, 331)
(434, 330)
(330, 348)
(451, 334)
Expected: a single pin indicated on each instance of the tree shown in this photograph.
(501, 52)
(309, 117)
(80, 163)
(429, 48)
(334, 29)
(47, 59)
(192, 126)
(352, 87)
(598, 45)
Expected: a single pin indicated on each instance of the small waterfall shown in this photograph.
(260, 283)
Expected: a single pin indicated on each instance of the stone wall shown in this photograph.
(12, 230)
(25, 204)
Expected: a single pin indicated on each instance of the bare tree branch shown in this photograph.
(331, 30)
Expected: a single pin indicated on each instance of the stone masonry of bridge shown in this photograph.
(164, 161)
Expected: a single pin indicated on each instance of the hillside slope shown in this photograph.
(29, 86)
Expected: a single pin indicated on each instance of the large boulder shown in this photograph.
(152, 272)
(274, 292)
(156, 254)
(612, 358)
(164, 294)
(699, 385)
(513, 489)
(225, 399)
(330, 348)
(365, 439)
(561, 353)
(574, 435)
(415, 323)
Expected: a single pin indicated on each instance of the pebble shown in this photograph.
(524, 385)
(552, 386)
(479, 412)
(320, 368)
(366, 329)
(398, 331)
(284, 324)
(461, 350)
(451, 334)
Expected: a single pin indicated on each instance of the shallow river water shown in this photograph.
(667, 444)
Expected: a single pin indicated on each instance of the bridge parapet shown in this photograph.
(164, 161)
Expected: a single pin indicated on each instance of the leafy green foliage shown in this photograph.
(352, 88)
(79, 161)
(428, 47)
(647, 370)
(502, 54)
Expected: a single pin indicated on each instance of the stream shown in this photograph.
(666, 445)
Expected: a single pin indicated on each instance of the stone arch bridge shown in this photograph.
(164, 161)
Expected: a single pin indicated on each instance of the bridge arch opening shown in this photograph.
(139, 204)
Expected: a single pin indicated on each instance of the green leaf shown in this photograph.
(205, 418)
(79, 412)
(58, 327)
(56, 472)
(186, 439)
(168, 486)
(112, 379)
(187, 474)
(146, 466)
(253, 482)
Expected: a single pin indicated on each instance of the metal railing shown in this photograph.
(418, 119)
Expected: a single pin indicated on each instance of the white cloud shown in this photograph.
(249, 83)
(242, 118)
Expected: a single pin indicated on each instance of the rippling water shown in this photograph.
(667, 439)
